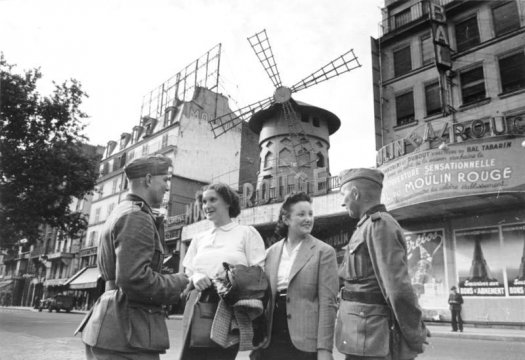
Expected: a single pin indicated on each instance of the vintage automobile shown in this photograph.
(57, 303)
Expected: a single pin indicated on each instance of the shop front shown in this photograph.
(86, 286)
(463, 210)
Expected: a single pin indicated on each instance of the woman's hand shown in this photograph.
(201, 281)
(323, 354)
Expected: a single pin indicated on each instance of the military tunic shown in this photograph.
(128, 319)
(375, 269)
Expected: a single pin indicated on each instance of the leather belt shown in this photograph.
(363, 297)
(282, 293)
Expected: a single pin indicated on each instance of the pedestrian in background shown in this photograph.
(302, 271)
(227, 242)
(128, 321)
(455, 300)
(379, 316)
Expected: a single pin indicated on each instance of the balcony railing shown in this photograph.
(418, 11)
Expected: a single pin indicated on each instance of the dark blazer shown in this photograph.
(129, 317)
(312, 292)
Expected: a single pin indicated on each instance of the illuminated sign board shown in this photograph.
(460, 170)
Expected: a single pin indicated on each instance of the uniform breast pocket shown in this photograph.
(359, 263)
(362, 329)
(156, 261)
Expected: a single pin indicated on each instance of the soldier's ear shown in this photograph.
(354, 193)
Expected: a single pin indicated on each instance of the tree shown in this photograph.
(44, 158)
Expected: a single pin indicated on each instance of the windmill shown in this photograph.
(293, 136)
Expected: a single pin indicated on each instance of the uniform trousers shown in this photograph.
(94, 353)
(281, 346)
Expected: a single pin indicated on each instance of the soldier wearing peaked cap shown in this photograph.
(128, 320)
(379, 316)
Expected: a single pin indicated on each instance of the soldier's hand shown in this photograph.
(323, 354)
(201, 281)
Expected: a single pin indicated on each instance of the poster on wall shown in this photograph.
(514, 254)
(426, 267)
(479, 262)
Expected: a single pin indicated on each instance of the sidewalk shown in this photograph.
(478, 333)
(436, 329)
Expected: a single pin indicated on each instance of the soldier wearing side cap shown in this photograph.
(128, 320)
(379, 316)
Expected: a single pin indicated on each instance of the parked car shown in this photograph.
(57, 303)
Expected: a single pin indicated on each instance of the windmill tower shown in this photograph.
(293, 136)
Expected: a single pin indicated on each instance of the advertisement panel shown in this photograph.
(457, 170)
(479, 262)
(426, 267)
(514, 257)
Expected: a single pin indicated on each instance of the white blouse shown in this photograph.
(285, 266)
(232, 243)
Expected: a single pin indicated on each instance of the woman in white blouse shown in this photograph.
(302, 271)
(227, 241)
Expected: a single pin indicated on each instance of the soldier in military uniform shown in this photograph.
(128, 320)
(379, 316)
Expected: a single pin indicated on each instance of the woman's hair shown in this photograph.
(229, 195)
(281, 228)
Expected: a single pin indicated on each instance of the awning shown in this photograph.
(54, 282)
(4, 284)
(87, 279)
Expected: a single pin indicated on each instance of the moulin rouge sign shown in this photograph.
(430, 136)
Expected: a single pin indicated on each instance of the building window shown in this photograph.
(506, 17)
(320, 160)
(97, 215)
(131, 155)
(405, 108)
(512, 72)
(145, 150)
(110, 208)
(472, 85)
(433, 98)
(427, 49)
(315, 122)
(402, 61)
(304, 118)
(467, 34)
(268, 159)
(114, 186)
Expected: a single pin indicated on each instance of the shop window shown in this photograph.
(472, 85)
(467, 34)
(427, 49)
(433, 98)
(402, 61)
(506, 17)
(512, 72)
(405, 108)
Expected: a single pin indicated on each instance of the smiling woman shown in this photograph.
(303, 277)
(228, 242)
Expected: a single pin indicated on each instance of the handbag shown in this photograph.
(201, 322)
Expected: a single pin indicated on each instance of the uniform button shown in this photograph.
(362, 313)
(289, 316)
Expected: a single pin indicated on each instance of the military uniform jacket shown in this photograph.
(375, 262)
(129, 316)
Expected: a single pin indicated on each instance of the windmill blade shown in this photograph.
(344, 63)
(226, 122)
(261, 46)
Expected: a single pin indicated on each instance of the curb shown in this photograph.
(492, 337)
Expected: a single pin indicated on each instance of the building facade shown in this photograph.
(449, 95)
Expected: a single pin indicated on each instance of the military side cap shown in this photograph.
(361, 173)
(153, 165)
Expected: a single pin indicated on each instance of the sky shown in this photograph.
(121, 50)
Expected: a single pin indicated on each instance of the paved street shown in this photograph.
(31, 335)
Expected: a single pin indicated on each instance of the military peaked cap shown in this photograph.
(361, 173)
(153, 165)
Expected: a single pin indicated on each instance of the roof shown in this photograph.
(256, 121)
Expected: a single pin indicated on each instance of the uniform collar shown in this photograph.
(137, 199)
(370, 211)
(226, 227)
